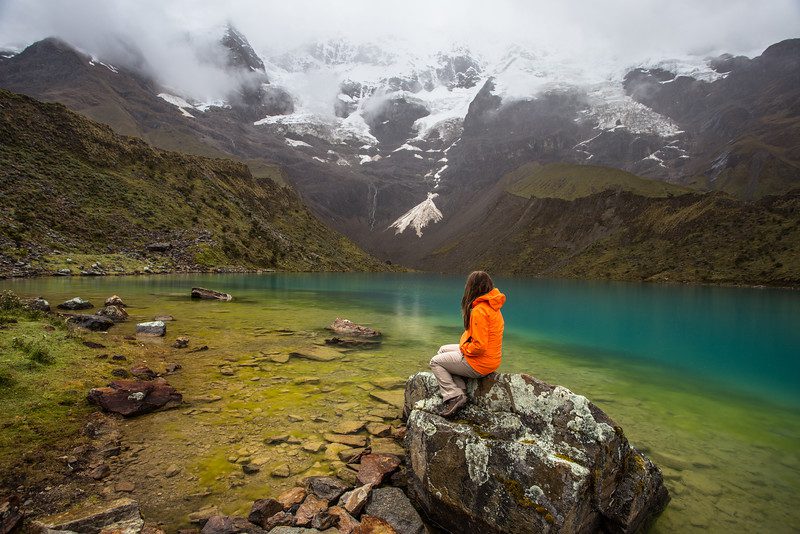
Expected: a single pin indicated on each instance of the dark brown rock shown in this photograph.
(135, 397)
(221, 524)
(10, 514)
(181, 343)
(327, 488)
(210, 294)
(374, 467)
(262, 510)
(346, 523)
(93, 345)
(524, 452)
(142, 372)
(292, 497)
(374, 525)
(312, 505)
(324, 520)
(278, 520)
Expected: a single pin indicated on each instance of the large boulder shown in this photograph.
(76, 303)
(525, 456)
(120, 516)
(135, 397)
(209, 294)
(96, 323)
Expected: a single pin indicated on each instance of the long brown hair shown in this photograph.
(478, 283)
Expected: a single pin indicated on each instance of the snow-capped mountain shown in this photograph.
(401, 148)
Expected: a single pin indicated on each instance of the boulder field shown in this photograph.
(526, 457)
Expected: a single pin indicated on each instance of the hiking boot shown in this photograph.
(451, 406)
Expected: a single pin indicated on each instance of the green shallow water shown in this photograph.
(704, 379)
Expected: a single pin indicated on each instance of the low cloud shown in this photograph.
(580, 38)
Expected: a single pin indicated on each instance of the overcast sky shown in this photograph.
(624, 31)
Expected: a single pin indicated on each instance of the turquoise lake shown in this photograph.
(704, 379)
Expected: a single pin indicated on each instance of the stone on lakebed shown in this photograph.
(209, 294)
(524, 452)
(346, 327)
(152, 328)
(135, 397)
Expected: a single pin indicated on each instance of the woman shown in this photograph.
(480, 349)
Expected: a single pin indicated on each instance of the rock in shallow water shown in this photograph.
(135, 397)
(115, 313)
(345, 327)
(152, 328)
(76, 303)
(209, 294)
(96, 323)
(525, 457)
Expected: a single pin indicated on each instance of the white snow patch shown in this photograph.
(296, 143)
(612, 109)
(418, 156)
(319, 159)
(406, 146)
(419, 216)
(178, 102)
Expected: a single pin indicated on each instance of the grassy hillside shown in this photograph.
(72, 189)
(620, 235)
(568, 181)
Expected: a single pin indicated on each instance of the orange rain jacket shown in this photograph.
(482, 343)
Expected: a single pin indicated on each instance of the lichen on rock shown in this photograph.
(525, 456)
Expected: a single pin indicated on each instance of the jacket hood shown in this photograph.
(494, 298)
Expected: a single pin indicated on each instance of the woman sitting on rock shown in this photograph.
(480, 350)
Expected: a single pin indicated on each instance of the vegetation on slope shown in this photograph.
(629, 230)
(568, 181)
(72, 186)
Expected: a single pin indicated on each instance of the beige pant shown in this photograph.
(450, 367)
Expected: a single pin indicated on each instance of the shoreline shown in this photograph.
(396, 268)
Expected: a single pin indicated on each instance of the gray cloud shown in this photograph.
(161, 36)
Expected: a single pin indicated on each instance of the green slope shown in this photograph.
(569, 181)
(72, 187)
(620, 235)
